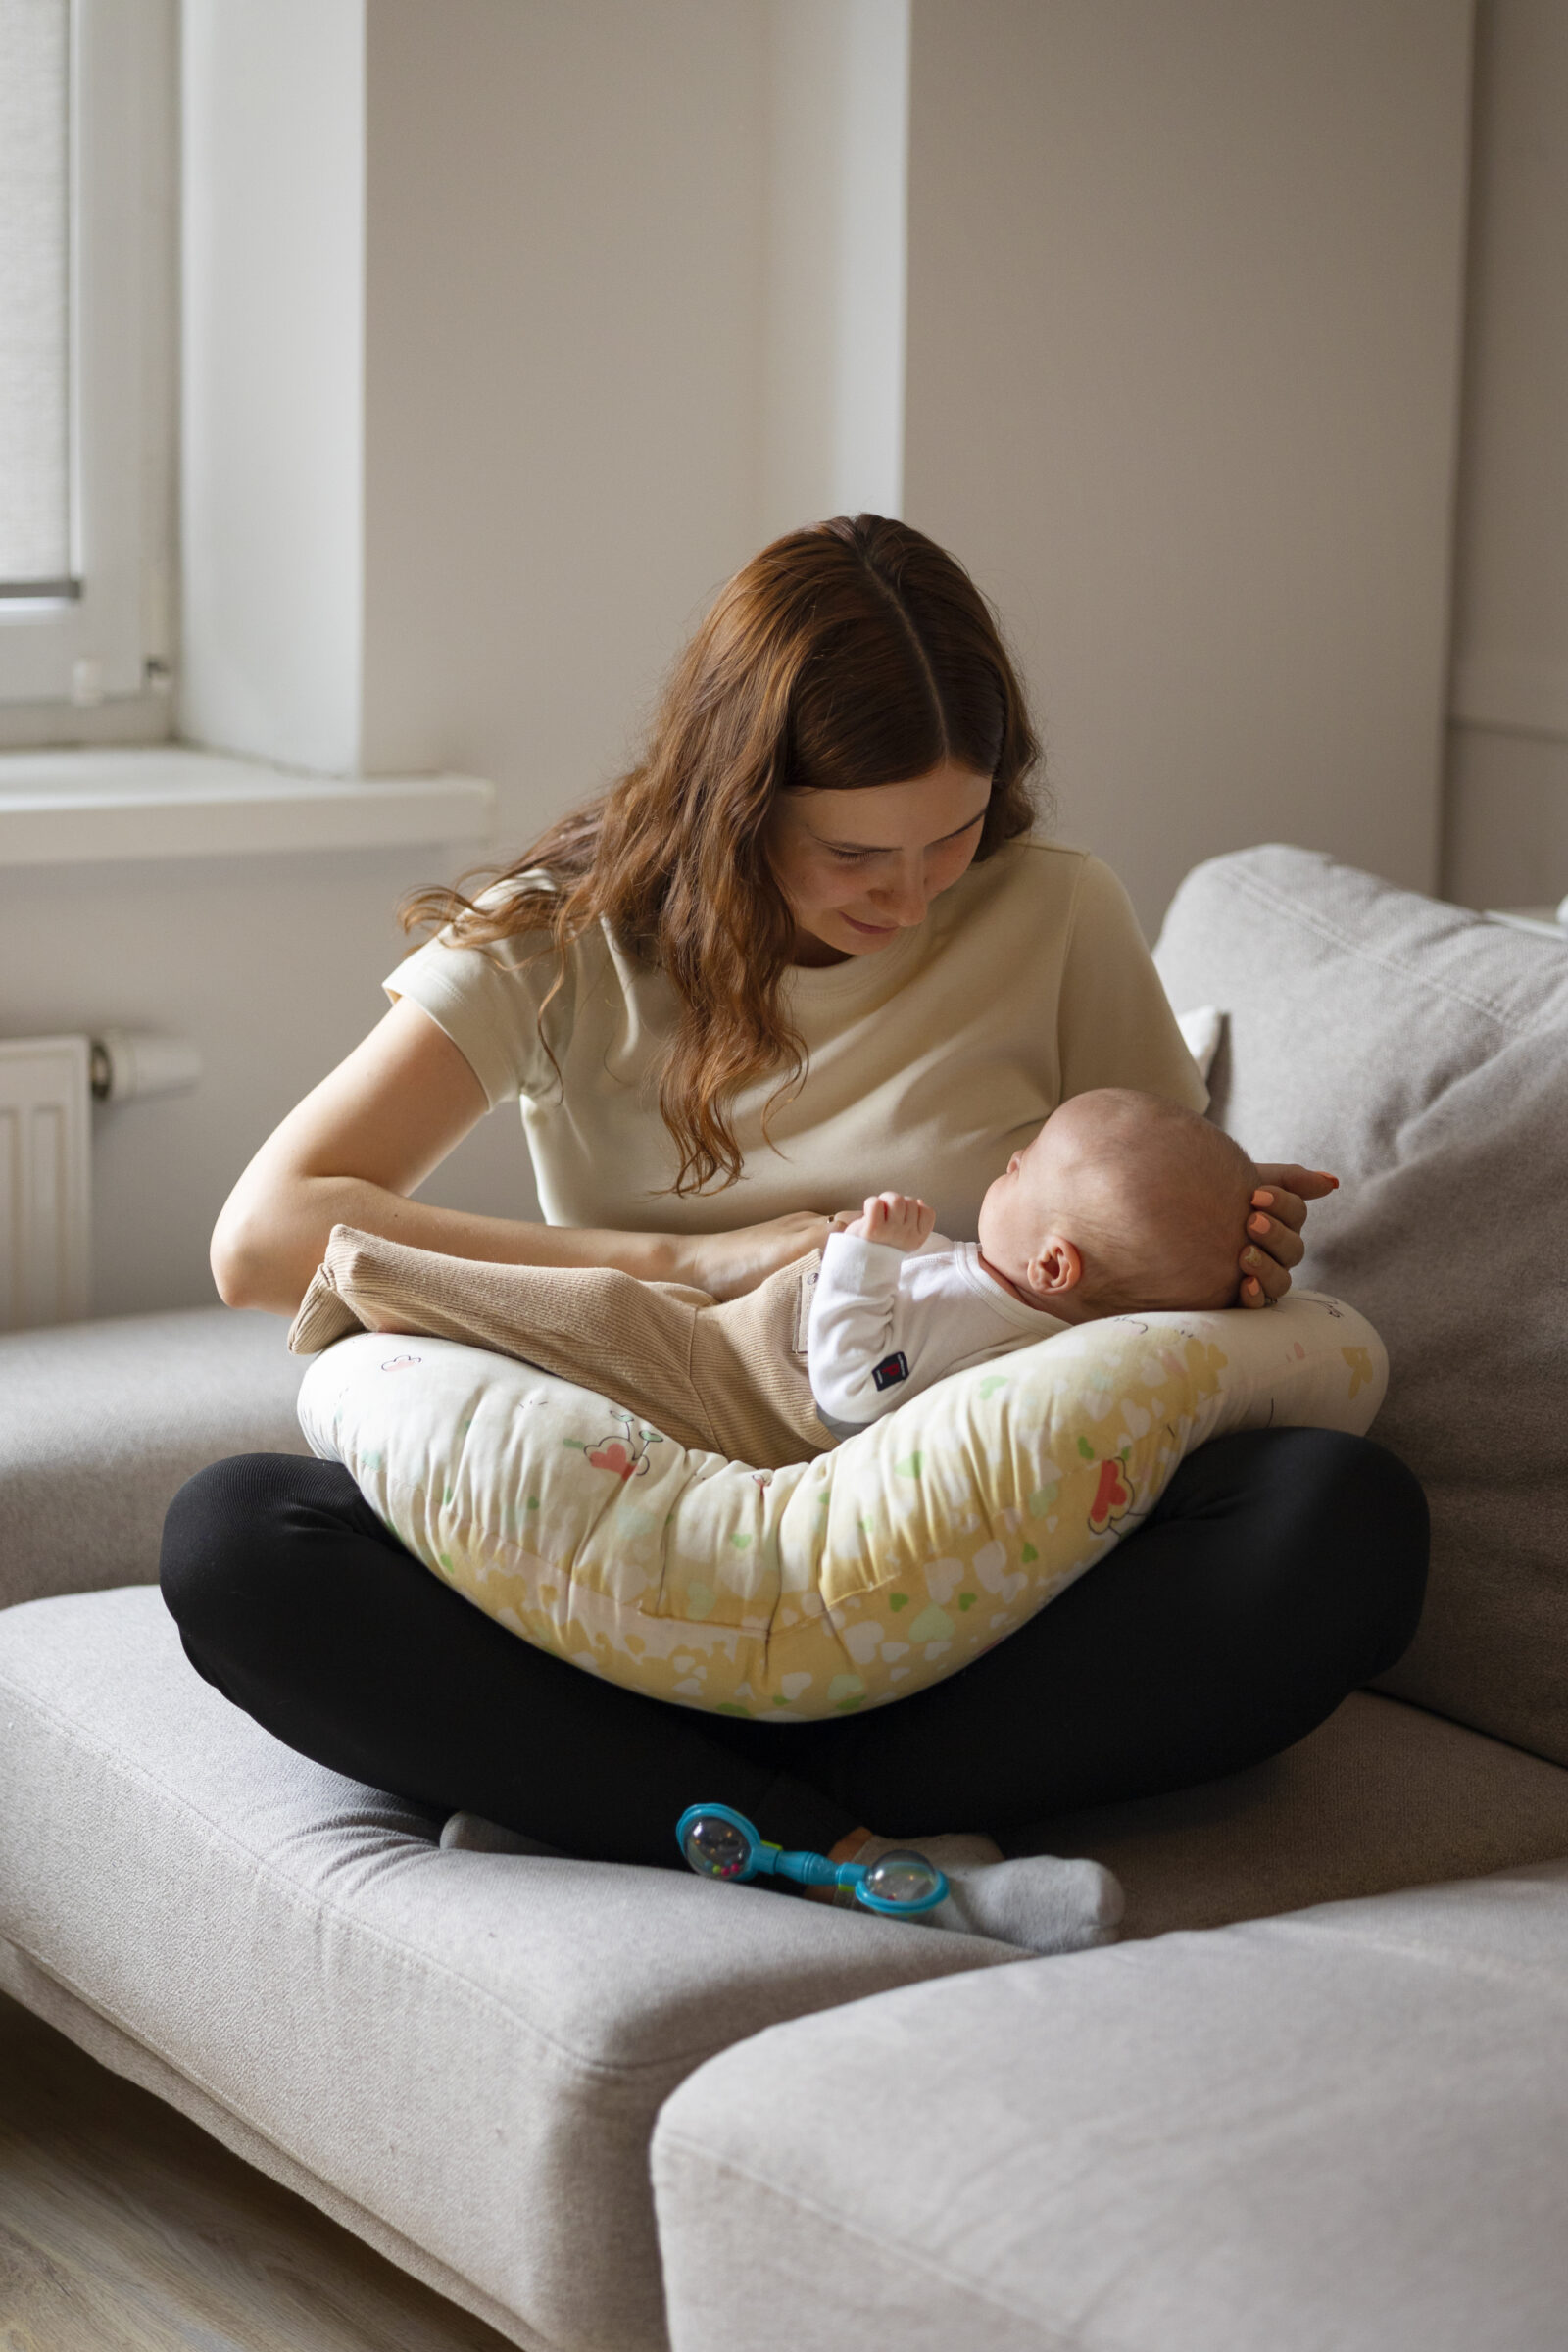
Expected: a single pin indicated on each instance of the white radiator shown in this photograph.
(45, 1180)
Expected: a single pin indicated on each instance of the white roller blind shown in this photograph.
(35, 297)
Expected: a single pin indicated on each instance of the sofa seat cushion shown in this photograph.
(469, 2049)
(104, 1422)
(1345, 2128)
(1382, 1795)
(1422, 1055)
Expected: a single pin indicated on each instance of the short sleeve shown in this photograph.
(1115, 1023)
(487, 1001)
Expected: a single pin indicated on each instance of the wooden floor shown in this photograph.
(125, 2228)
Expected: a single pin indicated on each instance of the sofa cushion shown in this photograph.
(104, 1422)
(1343, 2127)
(1422, 1055)
(1382, 1796)
(467, 2048)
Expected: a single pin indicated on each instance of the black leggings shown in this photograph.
(1280, 1569)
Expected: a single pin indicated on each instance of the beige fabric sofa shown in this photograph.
(1269, 2119)
(1341, 2127)
(1317, 2097)
(460, 2056)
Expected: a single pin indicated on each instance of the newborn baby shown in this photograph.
(1123, 1202)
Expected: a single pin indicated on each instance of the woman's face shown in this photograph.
(859, 867)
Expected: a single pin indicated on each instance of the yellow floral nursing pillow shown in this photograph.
(834, 1584)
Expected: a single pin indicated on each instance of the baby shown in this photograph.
(1122, 1203)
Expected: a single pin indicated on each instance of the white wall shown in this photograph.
(472, 314)
(1179, 388)
(1508, 751)
(272, 378)
(1183, 341)
(563, 371)
(835, 272)
(554, 412)
(272, 965)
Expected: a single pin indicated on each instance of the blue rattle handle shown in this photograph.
(740, 1852)
(809, 1869)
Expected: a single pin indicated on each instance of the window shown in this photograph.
(34, 301)
(86, 375)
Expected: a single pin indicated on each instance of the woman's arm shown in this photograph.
(353, 1151)
(375, 1129)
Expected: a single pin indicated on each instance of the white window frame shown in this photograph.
(109, 638)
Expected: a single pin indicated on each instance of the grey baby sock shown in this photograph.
(1040, 1902)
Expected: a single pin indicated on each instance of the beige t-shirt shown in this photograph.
(931, 1061)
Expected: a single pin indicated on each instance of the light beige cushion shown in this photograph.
(825, 1585)
(468, 2050)
(1422, 1055)
(104, 1422)
(1382, 1796)
(1341, 2130)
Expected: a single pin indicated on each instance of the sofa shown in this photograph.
(1316, 2097)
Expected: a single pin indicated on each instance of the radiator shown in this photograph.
(45, 1180)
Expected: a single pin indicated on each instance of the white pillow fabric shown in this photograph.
(829, 1584)
(1201, 1031)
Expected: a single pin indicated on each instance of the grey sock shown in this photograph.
(1044, 1905)
(1039, 1902)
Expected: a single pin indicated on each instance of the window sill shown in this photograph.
(69, 807)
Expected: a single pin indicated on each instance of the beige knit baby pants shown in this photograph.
(727, 1376)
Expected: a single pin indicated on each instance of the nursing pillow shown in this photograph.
(831, 1585)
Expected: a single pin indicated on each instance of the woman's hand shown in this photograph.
(1274, 1224)
(727, 1264)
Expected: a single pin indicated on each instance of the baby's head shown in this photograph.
(1123, 1202)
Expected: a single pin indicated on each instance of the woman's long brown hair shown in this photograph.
(851, 654)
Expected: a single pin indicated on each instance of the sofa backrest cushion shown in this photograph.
(1421, 1053)
(102, 1423)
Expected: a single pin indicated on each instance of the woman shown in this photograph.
(803, 952)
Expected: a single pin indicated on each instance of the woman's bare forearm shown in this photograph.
(397, 1106)
(264, 1253)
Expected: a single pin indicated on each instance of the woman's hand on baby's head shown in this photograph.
(896, 1219)
(1274, 1222)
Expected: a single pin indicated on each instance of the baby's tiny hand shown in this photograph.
(895, 1219)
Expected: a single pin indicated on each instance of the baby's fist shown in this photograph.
(895, 1219)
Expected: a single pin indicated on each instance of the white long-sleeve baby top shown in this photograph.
(887, 1323)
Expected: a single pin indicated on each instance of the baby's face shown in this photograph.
(1152, 1200)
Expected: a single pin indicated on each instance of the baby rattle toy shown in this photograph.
(720, 1843)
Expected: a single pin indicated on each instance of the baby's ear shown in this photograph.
(1057, 1268)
